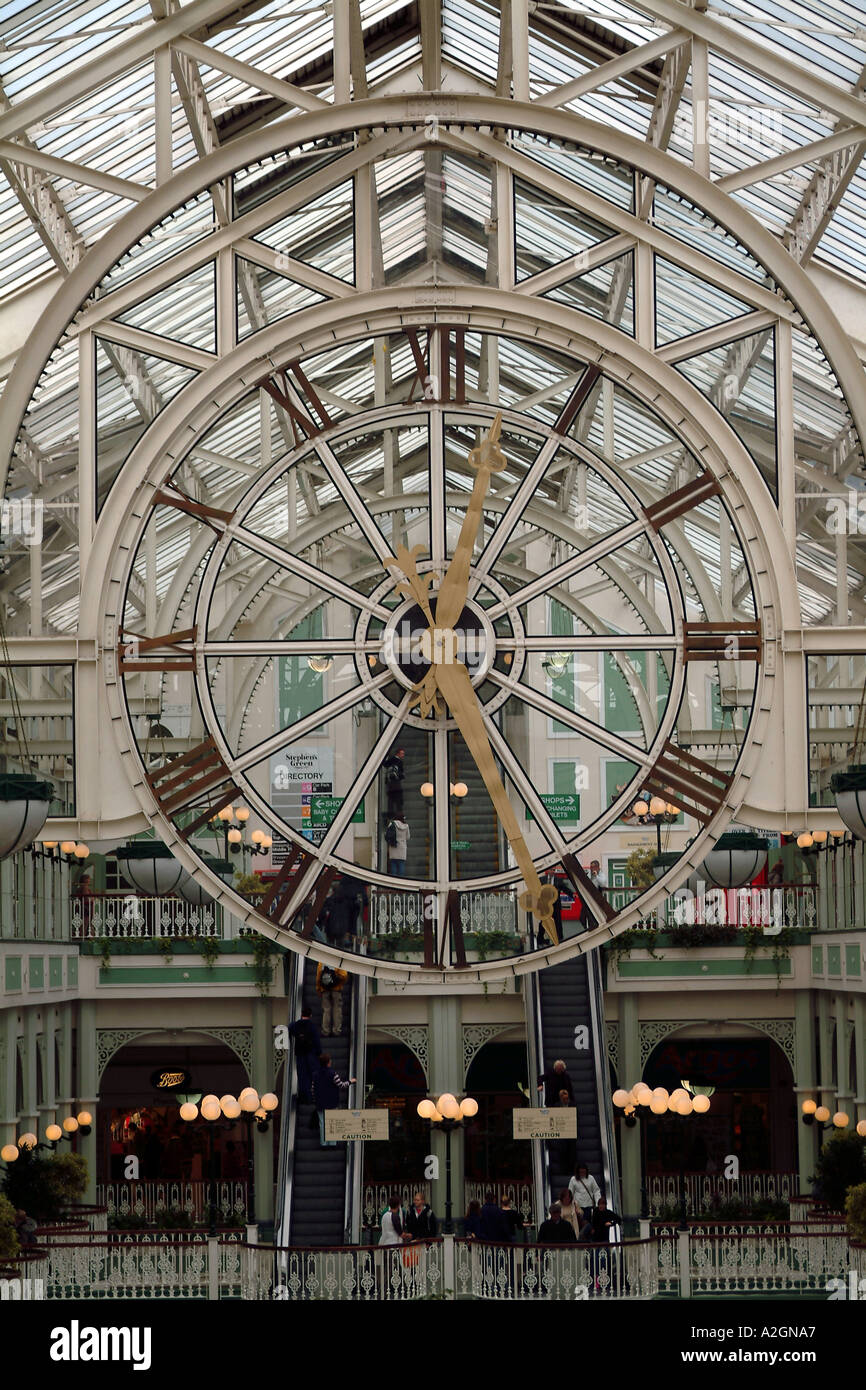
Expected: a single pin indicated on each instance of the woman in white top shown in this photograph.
(393, 1225)
(584, 1188)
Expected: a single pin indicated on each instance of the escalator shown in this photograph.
(559, 1001)
(318, 1189)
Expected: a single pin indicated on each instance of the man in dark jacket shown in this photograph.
(555, 1231)
(604, 1221)
(420, 1221)
(494, 1225)
(308, 1045)
(553, 1081)
(327, 1086)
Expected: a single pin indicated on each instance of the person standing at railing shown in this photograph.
(555, 1231)
(83, 894)
(393, 1224)
(420, 1221)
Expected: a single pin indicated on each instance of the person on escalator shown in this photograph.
(327, 1086)
(329, 986)
(584, 1189)
(397, 837)
(308, 1045)
(554, 1081)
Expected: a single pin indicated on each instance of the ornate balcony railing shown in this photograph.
(519, 1193)
(628, 1270)
(396, 913)
(148, 1198)
(783, 905)
(705, 1191)
(125, 916)
(351, 1273)
(377, 1196)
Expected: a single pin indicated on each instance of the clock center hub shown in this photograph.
(410, 646)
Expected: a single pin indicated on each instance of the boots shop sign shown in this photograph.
(169, 1079)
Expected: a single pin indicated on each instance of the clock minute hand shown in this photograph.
(455, 686)
(486, 459)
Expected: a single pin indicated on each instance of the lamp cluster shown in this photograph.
(654, 808)
(73, 852)
(809, 838)
(458, 789)
(261, 842)
(248, 1105)
(73, 1124)
(448, 1107)
(685, 1100)
(812, 1111)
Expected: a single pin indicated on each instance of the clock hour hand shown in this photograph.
(486, 459)
(455, 685)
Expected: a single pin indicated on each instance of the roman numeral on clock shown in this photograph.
(183, 781)
(577, 400)
(292, 389)
(722, 641)
(679, 502)
(275, 901)
(169, 653)
(171, 496)
(433, 364)
(688, 782)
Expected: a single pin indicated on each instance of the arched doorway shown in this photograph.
(493, 1159)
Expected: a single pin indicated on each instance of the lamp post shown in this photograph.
(653, 810)
(448, 1113)
(248, 1106)
(812, 1113)
(687, 1099)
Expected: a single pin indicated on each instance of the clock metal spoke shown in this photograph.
(364, 777)
(438, 510)
(347, 490)
(515, 509)
(577, 722)
(312, 646)
(524, 785)
(591, 642)
(585, 560)
(275, 743)
(320, 579)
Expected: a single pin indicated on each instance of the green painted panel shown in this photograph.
(13, 972)
(698, 969)
(852, 960)
(55, 971)
(36, 972)
(165, 974)
(817, 960)
(71, 971)
(834, 960)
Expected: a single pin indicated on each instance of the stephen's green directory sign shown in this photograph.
(323, 809)
(563, 807)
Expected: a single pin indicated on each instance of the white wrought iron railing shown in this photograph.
(149, 1197)
(628, 1270)
(706, 1191)
(352, 1273)
(519, 1194)
(125, 916)
(402, 913)
(377, 1198)
(791, 905)
(780, 1261)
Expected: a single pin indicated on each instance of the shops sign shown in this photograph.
(168, 1080)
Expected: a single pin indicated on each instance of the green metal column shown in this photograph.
(804, 1083)
(844, 1093)
(826, 1080)
(263, 1080)
(48, 1108)
(629, 1075)
(445, 1054)
(30, 1107)
(860, 1055)
(8, 1070)
(88, 1084)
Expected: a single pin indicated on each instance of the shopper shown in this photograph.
(555, 1231)
(327, 1086)
(584, 1188)
(494, 1226)
(604, 1221)
(553, 1081)
(472, 1221)
(420, 1221)
(513, 1219)
(395, 772)
(308, 1045)
(329, 986)
(393, 1224)
(397, 837)
(573, 1214)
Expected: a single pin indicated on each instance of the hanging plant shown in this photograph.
(209, 949)
(264, 951)
(105, 952)
(778, 946)
(166, 948)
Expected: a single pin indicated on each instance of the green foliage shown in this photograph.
(496, 943)
(250, 885)
(855, 1211)
(702, 934)
(639, 867)
(634, 939)
(105, 952)
(779, 946)
(841, 1165)
(208, 948)
(166, 948)
(263, 950)
(9, 1245)
(45, 1187)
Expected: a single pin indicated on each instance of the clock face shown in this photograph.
(603, 669)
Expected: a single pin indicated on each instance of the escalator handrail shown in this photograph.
(601, 1069)
(286, 1167)
(535, 1048)
(355, 1150)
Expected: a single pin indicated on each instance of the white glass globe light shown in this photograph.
(840, 1119)
(621, 1098)
(701, 1105)
(84, 1117)
(809, 1107)
(53, 1133)
(188, 1111)
(27, 1141)
(426, 1109)
(70, 1124)
(427, 789)
(448, 1106)
(269, 1101)
(822, 1114)
(9, 1153)
(468, 1107)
